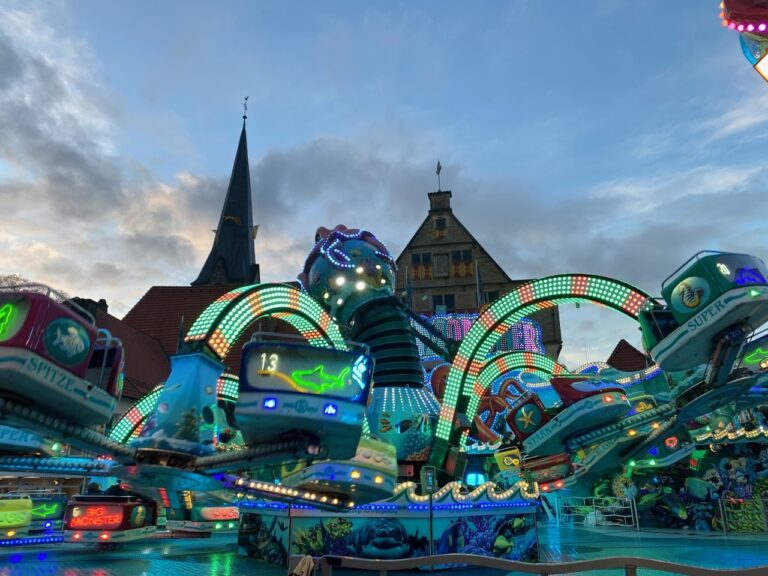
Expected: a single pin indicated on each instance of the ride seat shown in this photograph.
(104, 367)
(662, 322)
(571, 390)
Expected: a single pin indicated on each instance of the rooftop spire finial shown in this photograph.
(437, 171)
(245, 108)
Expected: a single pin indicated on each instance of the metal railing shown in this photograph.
(628, 564)
(593, 511)
(744, 515)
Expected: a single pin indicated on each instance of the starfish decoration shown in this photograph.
(526, 418)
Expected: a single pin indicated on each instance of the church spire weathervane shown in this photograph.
(437, 171)
(232, 259)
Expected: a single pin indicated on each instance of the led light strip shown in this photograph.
(527, 491)
(526, 299)
(506, 362)
(225, 320)
(133, 420)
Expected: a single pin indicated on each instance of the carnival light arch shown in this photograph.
(225, 320)
(524, 300)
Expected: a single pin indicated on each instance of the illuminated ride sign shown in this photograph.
(12, 316)
(96, 517)
(285, 367)
(524, 335)
(220, 513)
(47, 510)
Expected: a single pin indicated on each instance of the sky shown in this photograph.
(603, 136)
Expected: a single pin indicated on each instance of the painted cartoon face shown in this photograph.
(381, 538)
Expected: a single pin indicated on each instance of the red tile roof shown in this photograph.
(627, 358)
(160, 311)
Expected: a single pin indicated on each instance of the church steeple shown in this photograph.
(232, 259)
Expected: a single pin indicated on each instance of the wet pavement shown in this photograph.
(217, 556)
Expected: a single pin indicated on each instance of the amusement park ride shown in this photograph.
(323, 418)
(750, 19)
(294, 426)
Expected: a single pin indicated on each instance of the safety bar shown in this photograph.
(628, 563)
(693, 258)
(53, 294)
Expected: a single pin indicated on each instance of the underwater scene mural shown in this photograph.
(373, 538)
(511, 537)
(264, 537)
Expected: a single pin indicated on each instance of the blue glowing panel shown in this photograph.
(270, 403)
(284, 367)
(330, 409)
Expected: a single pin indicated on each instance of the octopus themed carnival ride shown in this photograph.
(303, 449)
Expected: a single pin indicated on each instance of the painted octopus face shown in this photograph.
(346, 269)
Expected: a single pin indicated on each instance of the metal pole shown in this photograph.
(633, 504)
(594, 508)
(431, 530)
(630, 570)
(723, 516)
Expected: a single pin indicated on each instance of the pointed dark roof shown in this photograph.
(627, 358)
(232, 259)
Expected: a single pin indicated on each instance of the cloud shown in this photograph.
(55, 128)
(84, 216)
(742, 118)
(650, 194)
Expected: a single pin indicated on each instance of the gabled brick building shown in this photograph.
(443, 268)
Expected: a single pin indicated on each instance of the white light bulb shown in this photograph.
(340, 280)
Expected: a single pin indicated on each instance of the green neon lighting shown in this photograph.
(6, 313)
(524, 300)
(505, 362)
(317, 380)
(134, 418)
(45, 510)
(756, 356)
(225, 320)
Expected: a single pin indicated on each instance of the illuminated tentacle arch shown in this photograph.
(134, 419)
(224, 321)
(591, 367)
(524, 300)
(506, 362)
